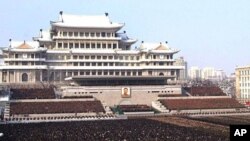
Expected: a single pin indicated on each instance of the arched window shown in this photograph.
(24, 77)
(161, 74)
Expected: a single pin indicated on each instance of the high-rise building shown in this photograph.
(243, 83)
(195, 73)
(181, 62)
(208, 73)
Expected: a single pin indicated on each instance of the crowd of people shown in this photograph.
(135, 108)
(225, 120)
(205, 103)
(55, 107)
(125, 130)
(81, 96)
(34, 93)
(205, 91)
(171, 95)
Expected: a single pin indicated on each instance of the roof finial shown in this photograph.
(142, 42)
(61, 14)
(124, 31)
(166, 42)
(24, 42)
(10, 42)
(106, 14)
(41, 33)
(160, 43)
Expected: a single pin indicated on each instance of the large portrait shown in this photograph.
(126, 92)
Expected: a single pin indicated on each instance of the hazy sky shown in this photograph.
(212, 33)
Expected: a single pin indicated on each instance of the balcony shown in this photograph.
(24, 59)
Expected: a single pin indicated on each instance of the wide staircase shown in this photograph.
(157, 105)
(7, 111)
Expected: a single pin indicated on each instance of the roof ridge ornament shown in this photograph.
(41, 33)
(10, 42)
(61, 16)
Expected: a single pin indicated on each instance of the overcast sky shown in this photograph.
(213, 33)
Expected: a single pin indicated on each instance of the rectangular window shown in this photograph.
(75, 64)
(87, 73)
(76, 45)
(76, 34)
(75, 73)
(104, 46)
(87, 45)
(99, 73)
(93, 45)
(71, 45)
(81, 34)
(98, 34)
(105, 73)
(59, 45)
(70, 34)
(24, 63)
(98, 45)
(64, 34)
(86, 34)
(109, 46)
(108, 34)
(114, 46)
(128, 73)
(110, 57)
(82, 45)
(111, 73)
(123, 73)
(99, 57)
(75, 57)
(134, 73)
(139, 73)
(92, 34)
(103, 34)
(65, 45)
(117, 73)
(150, 73)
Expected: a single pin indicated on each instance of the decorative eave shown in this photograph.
(83, 21)
(129, 41)
(116, 27)
(25, 50)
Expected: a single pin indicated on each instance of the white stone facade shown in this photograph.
(85, 46)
